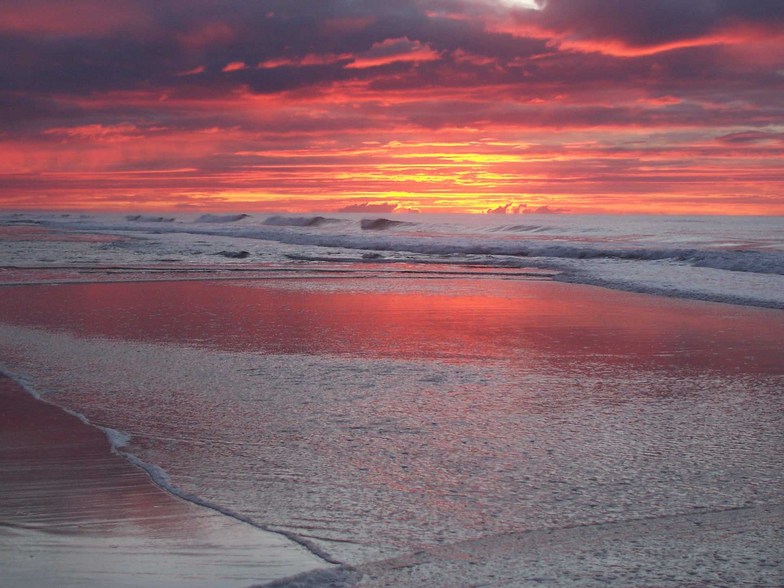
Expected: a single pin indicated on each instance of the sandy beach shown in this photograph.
(414, 454)
(72, 513)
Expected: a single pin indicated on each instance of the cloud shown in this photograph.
(749, 137)
(99, 133)
(234, 66)
(522, 208)
(625, 25)
(546, 209)
(394, 51)
(309, 59)
(382, 207)
(75, 18)
(404, 104)
(500, 209)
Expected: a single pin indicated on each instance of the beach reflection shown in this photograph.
(486, 319)
(375, 421)
(66, 500)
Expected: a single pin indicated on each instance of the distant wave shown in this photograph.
(740, 261)
(298, 221)
(519, 229)
(380, 224)
(142, 218)
(234, 254)
(366, 237)
(221, 218)
(735, 261)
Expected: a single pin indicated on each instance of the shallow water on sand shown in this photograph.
(376, 422)
(73, 514)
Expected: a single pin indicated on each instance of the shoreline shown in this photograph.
(698, 272)
(74, 513)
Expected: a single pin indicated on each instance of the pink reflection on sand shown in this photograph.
(486, 320)
(72, 511)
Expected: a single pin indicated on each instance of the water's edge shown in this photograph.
(117, 439)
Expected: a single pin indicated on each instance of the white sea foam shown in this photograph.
(117, 439)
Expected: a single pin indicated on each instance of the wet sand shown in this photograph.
(72, 513)
(735, 547)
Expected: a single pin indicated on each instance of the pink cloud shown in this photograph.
(306, 60)
(394, 51)
(234, 66)
(382, 207)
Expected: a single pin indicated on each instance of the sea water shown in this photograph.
(728, 259)
(437, 383)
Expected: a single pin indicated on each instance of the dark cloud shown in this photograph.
(19, 112)
(751, 137)
(500, 209)
(159, 42)
(648, 23)
(232, 88)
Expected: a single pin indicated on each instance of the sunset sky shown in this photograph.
(652, 106)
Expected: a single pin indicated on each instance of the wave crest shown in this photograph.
(143, 218)
(379, 224)
(221, 218)
(298, 221)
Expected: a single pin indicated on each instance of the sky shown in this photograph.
(515, 106)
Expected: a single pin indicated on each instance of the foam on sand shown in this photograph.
(65, 498)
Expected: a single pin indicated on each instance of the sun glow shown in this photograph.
(531, 4)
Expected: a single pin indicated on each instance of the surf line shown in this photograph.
(161, 479)
(117, 439)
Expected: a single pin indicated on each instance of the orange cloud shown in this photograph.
(394, 51)
(453, 105)
(234, 66)
(309, 59)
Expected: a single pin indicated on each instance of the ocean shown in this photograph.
(726, 259)
(376, 387)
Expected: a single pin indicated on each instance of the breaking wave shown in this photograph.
(221, 218)
(519, 229)
(380, 224)
(143, 218)
(299, 221)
